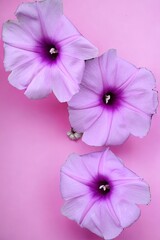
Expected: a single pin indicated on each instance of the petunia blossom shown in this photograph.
(44, 51)
(101, 194)
(116, 99)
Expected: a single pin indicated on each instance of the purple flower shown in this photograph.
(116, 99)
(44, 51)
(101, 194)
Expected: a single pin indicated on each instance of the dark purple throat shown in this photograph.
(111, 98)
(101, 187)
(49, 51)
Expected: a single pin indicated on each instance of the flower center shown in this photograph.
(104, 187)
(109, 98)
(101, 186)
(49, 51)
(54, 52)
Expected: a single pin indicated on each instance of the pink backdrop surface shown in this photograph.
(33, 142)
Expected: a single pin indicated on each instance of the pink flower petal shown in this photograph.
(117, 72)
(74, 161)
(137, 92)
(136, 191)
(72, 43)
(88, 160)
(97, 134)
(28, 13)
(92, 215)
(112, 166)
(40, 86)
(137, 122)
(80, 48)
(60, 88)
(119, 131)
(82, 119)
(126, 212)
(125, 72)
(66, 77)
(84, 99)
(92, 78)
(77, 188)
(42, 16)
(66, 32)
(20, 40)
(108, 163)
(19, 77)
(20, 57)
(73, 67)
(74, 208)
(102, 218)
(107, 65)
(110, 126)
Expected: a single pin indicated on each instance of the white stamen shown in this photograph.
(107, 98)
(104, 187)
(53, 51)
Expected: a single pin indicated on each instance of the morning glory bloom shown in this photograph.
(116, 99)
(44, 51)
(101, 194)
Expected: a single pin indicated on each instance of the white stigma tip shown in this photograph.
(104, 187)
(53, 51)
(107, 98)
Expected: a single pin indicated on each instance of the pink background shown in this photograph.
(33, 142)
